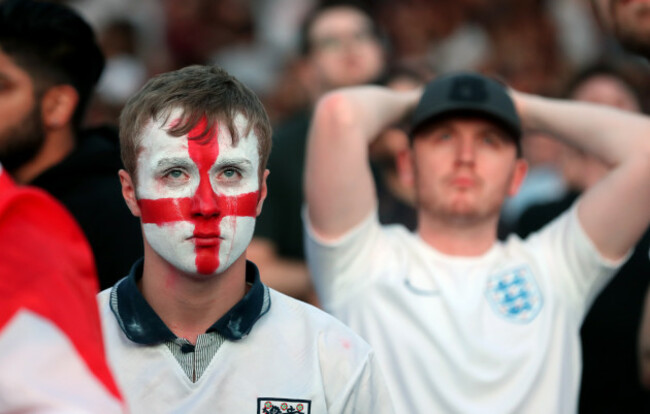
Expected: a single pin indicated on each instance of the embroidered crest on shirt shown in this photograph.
(283, 406)
(514, 294)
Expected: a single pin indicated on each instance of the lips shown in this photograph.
(463, 182)
(206, 240)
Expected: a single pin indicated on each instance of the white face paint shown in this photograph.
(198, 197)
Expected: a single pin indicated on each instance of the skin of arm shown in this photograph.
(616, 211)
(338, 182)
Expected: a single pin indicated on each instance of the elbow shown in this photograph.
(337, 110)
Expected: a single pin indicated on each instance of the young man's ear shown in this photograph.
(263, 192)
(58, 105)
(128, 192)
(518, 176)
(405, 169)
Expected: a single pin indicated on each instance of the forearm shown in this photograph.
(610, 134)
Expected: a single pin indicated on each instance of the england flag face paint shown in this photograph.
(198, 196)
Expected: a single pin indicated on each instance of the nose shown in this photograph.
(205, 201)
(465, 150)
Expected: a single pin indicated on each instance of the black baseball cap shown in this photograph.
(467, 93)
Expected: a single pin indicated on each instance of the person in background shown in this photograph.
(395, 200)
(49, 64)
(626, 20)
(340, 46)
(460, 321)
(51, 349)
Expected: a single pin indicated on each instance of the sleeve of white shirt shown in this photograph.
(367, 394)
(351, 376)
(341, 268)
(578, 271)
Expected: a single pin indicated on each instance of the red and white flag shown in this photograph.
(52, 356)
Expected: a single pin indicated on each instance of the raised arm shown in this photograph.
(616, 211)
(338, 182)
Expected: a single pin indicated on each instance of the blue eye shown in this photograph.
(175, 176)
(491, 139)
(230, 174)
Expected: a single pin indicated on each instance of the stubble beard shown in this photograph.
(21, 142)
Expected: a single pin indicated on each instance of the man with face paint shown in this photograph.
(460, 321)
(51, 351)
(192, 328)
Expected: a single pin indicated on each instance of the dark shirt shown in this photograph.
(281, 220)
(86, 182)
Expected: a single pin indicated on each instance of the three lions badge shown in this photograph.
(514, 294)
(283, 406)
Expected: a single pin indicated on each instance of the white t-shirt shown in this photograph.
(497, 333)
(295, 357)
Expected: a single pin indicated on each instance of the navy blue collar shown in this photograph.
(142, 325)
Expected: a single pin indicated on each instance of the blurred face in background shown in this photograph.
(344, 49)
(629, 21)
(607, 90)
(580, 169)
(463, 170)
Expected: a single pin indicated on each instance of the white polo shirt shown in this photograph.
(268, 354)
(497, 333)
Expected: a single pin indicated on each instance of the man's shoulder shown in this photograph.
(290, 313)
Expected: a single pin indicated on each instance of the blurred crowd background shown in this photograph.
(536, 46)
(289, 54)
(533, 45)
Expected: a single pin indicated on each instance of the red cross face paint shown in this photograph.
(198, 196)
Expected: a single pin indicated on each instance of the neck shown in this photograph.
(56, 146)
(458, 237)
(190, 304)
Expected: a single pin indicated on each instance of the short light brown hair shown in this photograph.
(198, 92)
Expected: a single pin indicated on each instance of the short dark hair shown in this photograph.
(199, 92)
(54, 45)
(628, 75)
(305, 42)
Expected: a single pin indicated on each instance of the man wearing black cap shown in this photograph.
(461, 322)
